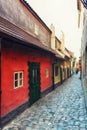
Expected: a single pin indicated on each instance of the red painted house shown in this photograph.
(25, 58)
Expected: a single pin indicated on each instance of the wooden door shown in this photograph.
(34, 81)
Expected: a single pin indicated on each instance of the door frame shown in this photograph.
(31, 67)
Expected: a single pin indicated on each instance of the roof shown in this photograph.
(67, 53)
(70, 52)
(59, 56)
(58, 39)
(12, 30)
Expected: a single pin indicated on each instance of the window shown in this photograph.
(18, 79)
(56, 70)
(47, 73)
(36, 29)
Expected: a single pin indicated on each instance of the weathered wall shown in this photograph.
(16, 12)
(84, 56)
(57, 78)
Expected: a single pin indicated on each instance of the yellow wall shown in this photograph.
(57, 78)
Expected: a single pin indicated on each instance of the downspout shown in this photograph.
(53, 75)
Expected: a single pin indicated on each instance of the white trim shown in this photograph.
(18, 79)
(47, 72)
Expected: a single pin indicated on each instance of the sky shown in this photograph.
(63, 15)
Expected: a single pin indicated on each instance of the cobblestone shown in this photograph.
(62, 109)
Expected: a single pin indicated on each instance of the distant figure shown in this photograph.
(80, 69)
(76, 70)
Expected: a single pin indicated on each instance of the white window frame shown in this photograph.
(18, 79)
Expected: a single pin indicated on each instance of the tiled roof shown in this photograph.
(60, 55)
(70, 52)
(11, 30)
(67, 53)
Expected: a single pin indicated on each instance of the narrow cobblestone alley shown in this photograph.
(62, 109)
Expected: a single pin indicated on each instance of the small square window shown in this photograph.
(36, 29)
(47, 73)
(18, 79)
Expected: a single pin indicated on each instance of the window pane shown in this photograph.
(16, 83)
(56, 70)
(16, 76)
(47, 73)
(20, 83)
(20, 75)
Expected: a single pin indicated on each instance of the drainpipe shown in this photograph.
(0, 89)
(53, 76)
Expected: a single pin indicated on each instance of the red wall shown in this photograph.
(45, 82)
(15, 61)
(0, 82)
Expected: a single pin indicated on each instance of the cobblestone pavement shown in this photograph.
(62, 109)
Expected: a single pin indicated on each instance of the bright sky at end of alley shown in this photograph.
(63, 15)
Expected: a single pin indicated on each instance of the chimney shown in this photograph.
(52, 36)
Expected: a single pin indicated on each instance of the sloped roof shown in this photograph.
(70, 52)
(58, 53)
(11, 30)
(67, 53)
(59, 56)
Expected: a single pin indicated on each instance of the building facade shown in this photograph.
(25, 58)
(29, 65)
(64, 63)
(82, 8)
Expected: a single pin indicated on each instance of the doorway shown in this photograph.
(34, 81)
